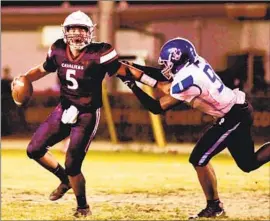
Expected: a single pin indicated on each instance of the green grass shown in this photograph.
(131, 186)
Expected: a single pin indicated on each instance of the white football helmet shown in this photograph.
(80, 19)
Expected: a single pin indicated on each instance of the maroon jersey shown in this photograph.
(81, 77)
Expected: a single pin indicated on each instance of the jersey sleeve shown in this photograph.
(50, 64)
(109, 59)
(185, 89)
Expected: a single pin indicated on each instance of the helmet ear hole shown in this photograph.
(184, 59)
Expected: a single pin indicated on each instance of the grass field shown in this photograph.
(131, 186)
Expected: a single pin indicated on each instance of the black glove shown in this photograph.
(127, 62)
(129, 81)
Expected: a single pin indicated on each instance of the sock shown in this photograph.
(213, 202)
(59, 171)
(81, 201)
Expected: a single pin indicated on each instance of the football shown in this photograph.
(22, 91)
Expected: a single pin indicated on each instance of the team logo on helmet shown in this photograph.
(175, 54)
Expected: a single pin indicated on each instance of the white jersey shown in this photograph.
(200, 87)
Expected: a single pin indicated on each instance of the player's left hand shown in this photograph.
(14, 82)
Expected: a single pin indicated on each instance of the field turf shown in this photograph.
(131, 186)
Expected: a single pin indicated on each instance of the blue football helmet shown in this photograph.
(174, 54)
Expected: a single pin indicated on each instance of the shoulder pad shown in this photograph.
(95, 47)
(106, 48)
(105, 51)
(59, 43)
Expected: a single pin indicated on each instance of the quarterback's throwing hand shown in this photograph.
(13, 83)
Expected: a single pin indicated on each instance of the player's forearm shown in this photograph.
(151, 72)
(148, 102)
(126, 69)
(36, 73)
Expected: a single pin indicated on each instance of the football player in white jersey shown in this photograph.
(193, 81)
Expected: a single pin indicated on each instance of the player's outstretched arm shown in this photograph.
(151, 72)
(155, 106)
(44, 68)
(165, 103)
(126, 69)
(36, 73)
(33, 74)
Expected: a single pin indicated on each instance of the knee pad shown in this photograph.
(192, 161)
(74, 160)
(195, 162)
(72, 169)
(35, 152)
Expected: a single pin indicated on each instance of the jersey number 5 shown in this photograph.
(213, 76)
(70, 77)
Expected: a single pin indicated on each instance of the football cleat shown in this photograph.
(83, 212)
(60, 191)
(212, 211)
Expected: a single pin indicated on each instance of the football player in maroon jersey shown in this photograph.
(81, 66)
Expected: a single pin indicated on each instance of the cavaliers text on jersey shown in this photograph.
(81, 77)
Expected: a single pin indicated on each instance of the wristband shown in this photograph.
(148, 80)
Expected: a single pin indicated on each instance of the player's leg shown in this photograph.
(49, 133)
(80, 138)
(241, 147)
(263, 154)
(211, 143)
(51, 164)
(208, 181)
